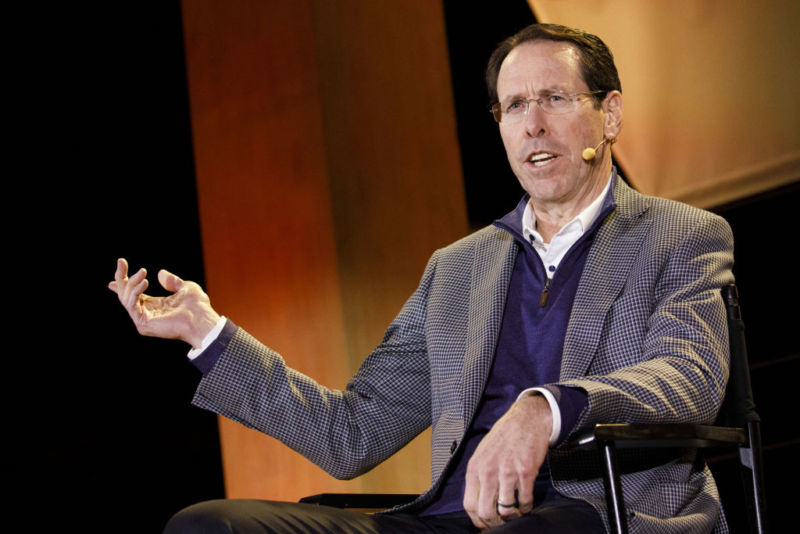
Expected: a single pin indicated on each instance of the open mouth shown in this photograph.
(541, 159)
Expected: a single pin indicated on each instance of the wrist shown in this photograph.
(538, 409)
(200, 326)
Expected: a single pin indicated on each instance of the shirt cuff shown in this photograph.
(208, 358)
(554, 409)
(209, 339)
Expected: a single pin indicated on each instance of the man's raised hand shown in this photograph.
(185, 314)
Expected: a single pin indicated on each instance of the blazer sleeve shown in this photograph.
(663, 353)
(346, 432)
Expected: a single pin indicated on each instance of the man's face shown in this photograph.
(559, 175)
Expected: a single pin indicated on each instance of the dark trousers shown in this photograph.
(562, 516)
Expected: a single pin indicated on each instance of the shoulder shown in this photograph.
(669, 218)
(487, 234)
(489, 241)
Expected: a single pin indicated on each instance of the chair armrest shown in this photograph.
(361, 501)
(661, 435)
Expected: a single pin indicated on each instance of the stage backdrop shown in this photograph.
(327, 172)
(712, 109)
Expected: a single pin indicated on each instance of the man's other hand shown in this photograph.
(501, 472)
(185, 314)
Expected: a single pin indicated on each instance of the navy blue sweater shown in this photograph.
(529, 350)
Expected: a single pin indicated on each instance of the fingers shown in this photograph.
(133, 288)
(128, 290)
(471, 501)
(507, 506)
(122, 270)
(487, 504)
(120, 275)
(525, 495)
(490, 499)
(126, 287)
(169, 281)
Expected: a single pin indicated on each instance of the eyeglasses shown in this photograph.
(551, 103)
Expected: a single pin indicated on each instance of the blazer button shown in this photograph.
(453, 446)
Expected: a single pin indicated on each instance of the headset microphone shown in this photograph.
(589, 153)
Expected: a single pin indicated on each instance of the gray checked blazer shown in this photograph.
(646, 340)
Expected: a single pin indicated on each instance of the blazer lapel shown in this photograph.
(493, 264)
(616, 246)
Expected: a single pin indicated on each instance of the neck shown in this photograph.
(552, 216)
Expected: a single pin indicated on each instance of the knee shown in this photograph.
(210, 517)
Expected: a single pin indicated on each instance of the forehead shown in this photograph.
(535, 66)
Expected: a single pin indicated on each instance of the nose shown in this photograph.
(535, 120)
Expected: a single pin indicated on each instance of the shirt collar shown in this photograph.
(580, 223)
(513, 221)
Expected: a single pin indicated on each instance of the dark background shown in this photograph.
(105, 170)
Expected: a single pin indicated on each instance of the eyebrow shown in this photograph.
(521, 96)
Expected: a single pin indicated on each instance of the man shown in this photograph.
(587, 303)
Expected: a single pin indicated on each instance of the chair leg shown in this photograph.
(617, 519)
(753, 469)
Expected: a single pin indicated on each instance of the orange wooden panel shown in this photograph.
(394, 169)
(265, 211)
(317, 214)
(711, 110)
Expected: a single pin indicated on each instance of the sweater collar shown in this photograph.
(590, 218)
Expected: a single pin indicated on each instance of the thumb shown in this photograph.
(169, 281)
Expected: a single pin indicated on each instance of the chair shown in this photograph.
(360, 502)
(736, 426)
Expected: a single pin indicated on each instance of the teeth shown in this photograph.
(540, 157)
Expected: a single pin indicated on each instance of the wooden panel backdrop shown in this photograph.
(712, 110)
(327, 172)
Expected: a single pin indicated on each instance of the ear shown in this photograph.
(612, 108)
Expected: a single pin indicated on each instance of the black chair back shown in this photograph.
(738, 408)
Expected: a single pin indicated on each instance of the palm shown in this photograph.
(164, 316)
(184, 314)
